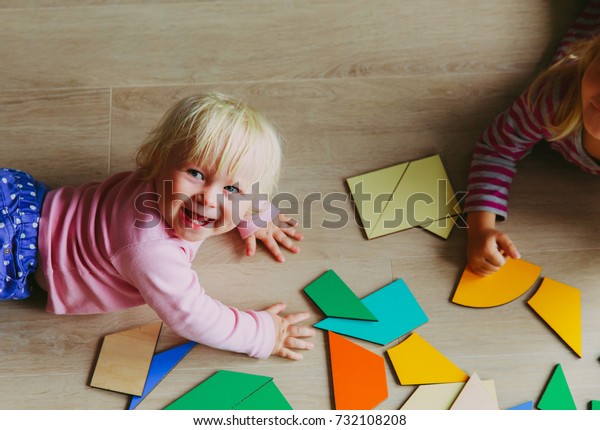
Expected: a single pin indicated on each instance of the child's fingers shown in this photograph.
(508, 246)
(294, 343)
(281, 237)
(276, 308)
(494, 257)
(486, 268)
(301, 331)
(250, 245)
(294, 319)
(287, 224)
(289, 354)
(273, 247)
(289, 221)
(293, 233)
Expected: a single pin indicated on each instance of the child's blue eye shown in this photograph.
(195, 174)
(232, 189)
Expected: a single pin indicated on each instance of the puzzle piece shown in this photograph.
(442, 227)
(475, 396)
(267, 398)
(125, 358)
(395, 308)
(527, 406)
(160, 366)
(230, 390)
(560, 306)
(359, 378)
(507, 284)
(416, 362)
(411, 194)
(557, 395)
(439, 396)
(371, 193)
(335, 299)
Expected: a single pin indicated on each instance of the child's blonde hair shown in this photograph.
(566, 75)
(217, 130)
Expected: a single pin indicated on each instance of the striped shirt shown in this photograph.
(515, 131)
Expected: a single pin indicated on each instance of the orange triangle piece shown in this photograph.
(359, 377)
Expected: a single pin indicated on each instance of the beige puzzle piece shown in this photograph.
(125, 359)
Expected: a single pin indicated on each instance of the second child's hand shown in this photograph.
(487, 248)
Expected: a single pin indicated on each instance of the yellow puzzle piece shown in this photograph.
(416, 362)
(508, 283)
(560, 306)
(412, 194)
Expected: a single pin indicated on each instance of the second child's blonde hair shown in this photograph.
(565, 75)
(216, 130)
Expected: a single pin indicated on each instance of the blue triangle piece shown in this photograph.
(527, 406)
(162, 364)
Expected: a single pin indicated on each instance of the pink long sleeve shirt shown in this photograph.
(95, 258)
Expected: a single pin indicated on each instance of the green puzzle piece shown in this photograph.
(595, 406)
(557, 396)
(232, 390)
(335, 299)
(267, 398)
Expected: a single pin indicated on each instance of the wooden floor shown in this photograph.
(353, 86)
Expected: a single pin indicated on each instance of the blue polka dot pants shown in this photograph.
(21, 200)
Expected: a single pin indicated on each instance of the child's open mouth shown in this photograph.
(194, 220)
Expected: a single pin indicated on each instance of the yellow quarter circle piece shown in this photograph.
(125, 358)
(507, 284)
(417, 362)
(372, 191)
(560, 306)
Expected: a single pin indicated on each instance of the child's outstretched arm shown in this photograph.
(487, 248)
(288, 335)
(275, 235)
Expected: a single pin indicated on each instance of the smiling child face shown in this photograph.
(199, 201)
(590, 97)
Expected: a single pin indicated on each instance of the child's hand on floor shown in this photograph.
(288, 334)
(488, 250)
(274, 235)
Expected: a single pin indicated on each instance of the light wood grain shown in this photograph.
(157, 44)
(324, 122)
(59, 136)
(352, 87)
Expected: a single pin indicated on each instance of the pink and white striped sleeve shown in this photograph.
(511, 137)
(514, 132)
(586, 26)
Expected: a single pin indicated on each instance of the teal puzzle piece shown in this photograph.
(397, 312)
